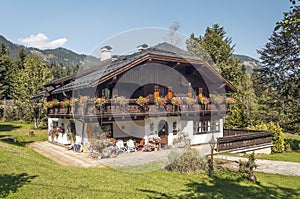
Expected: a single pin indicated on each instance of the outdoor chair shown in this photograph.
(120, 146)
(130, 146)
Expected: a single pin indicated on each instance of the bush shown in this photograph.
(246, 169)
(10, 114)
(181, 140)
(291, 144)
(278, 136)
(189, 162)
(1, 111)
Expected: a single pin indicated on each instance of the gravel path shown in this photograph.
(67, 157)
(269, 166)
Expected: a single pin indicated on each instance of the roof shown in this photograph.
(92, 77)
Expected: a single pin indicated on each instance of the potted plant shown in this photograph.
(204, 101)
(142, 101)
(99, 102)
(217, 99)
(64, 105)
(176, 102)
(121, 100)
(48, 104)
(56, 105)
(161, 102)
(82, 104)
(73, 104)
(82, 101)
(189, 102)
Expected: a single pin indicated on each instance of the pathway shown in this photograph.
(269, 166)
(67, 157)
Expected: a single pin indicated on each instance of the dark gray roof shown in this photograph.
(85, 79)
(172, 51)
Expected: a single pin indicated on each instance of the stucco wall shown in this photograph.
(128, 129)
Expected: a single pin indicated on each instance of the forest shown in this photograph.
(269, 94)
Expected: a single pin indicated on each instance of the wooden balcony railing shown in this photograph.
(241, 138)
(133, 108)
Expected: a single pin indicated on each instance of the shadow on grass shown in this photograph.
(14, 141)
(9, 183)
(8, 127)
(224, 188)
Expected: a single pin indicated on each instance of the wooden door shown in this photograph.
(163, 132)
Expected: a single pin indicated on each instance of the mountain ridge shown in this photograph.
(68, 57)
(58, 55)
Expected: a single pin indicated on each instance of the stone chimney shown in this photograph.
(105, 53)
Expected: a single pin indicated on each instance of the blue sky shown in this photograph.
(83, 25)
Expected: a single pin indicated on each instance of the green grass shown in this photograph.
(26, 174)
(288, 157)
(21, 133)
(296, 137)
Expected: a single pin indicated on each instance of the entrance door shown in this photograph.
(163, 132)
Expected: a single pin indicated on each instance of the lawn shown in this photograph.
(26, 174)
(288, 157)
(292, 156)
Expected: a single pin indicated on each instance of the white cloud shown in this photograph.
(40, 40)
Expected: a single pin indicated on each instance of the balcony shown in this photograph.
(133, 110)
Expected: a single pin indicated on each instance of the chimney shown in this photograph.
(105, 53)
(142, 47)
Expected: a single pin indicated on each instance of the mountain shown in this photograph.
(58, 55)
(69, 58)
(249, 62)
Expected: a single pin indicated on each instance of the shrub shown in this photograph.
(1, 110)
(291, 144)
(278, 136)
(189, 162)
(10, 113)
(181, 140)
(246, 169)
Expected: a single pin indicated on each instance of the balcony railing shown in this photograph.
(132, 108)
(240, 138)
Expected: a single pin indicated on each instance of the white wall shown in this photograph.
(200, 138)
(155, 121)
(129, 128)
(62, 137)
(141, 129)
(187, 128)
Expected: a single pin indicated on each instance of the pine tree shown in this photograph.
(5, 65)
(278, 80)
(217, 49)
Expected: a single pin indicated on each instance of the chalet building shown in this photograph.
(160, 90)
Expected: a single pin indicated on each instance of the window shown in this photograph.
(206, 126)
(215, 125)
(55, 124)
